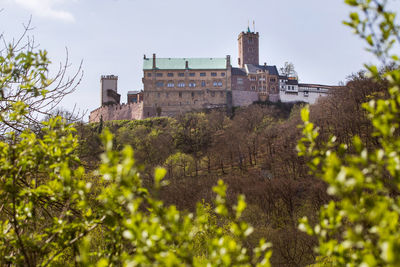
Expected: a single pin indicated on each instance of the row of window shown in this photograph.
(254, 78)
(190, 84)
(191, 74)
(192, 94)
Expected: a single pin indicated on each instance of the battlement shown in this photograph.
(129, 111)
(109, 77)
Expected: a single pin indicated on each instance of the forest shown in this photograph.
(254, 151)
(271, 184)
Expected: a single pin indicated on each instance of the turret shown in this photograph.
(109, 94)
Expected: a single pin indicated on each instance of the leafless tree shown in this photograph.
(25, 78)
(288, 70)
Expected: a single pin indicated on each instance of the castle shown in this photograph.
(172, 86)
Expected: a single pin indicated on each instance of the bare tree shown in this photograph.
(288, 70)
(25, 81)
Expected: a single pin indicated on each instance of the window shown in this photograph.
(181, 74)
(253, 88)
(192, 74)
(181, 84)
(217, 84)
(239, 80)
(148, 74)
(170, 84)
(159, 74)
(180, 96)
(202, 74)
(212, 94)
(192, 84)
(158, 95)
(272, 80)
(250, 40)
(203, 83)
(160, 84)
(167, 95)
(223, 74)
(213, 74)
(253, 78)
(170, 74)
(305, 93)
(222, 94)
(192, 94)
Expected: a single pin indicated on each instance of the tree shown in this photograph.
(25, 79)
(52, 213)
(288, 70)
(360, 226)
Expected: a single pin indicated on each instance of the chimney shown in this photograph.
(265, 64)
(187, 64)
(144, 56)
(228, 61)
(154, 61)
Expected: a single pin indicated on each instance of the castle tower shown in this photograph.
(248, 48)
(109, 94)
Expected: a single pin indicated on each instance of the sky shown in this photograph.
(111, 36)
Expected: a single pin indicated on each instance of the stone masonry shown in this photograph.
(130, 111)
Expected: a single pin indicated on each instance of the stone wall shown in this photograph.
(274, 97)
(243, 98)
(130, 111)
(310, 98)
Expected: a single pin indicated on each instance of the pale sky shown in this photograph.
(111, 36)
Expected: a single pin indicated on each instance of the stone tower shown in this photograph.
(248, 48)
(109, 94)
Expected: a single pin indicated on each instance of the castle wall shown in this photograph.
(130, 111)
(243, 98)
(311, 98)
(274, 97)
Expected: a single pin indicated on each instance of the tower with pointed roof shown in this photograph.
(248, 48)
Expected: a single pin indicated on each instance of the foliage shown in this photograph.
(179, 165)
(25, 83)
(51, 214)
(360, 227)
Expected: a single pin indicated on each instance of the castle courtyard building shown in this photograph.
(177, 85)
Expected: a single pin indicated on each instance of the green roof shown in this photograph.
(180, 63)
